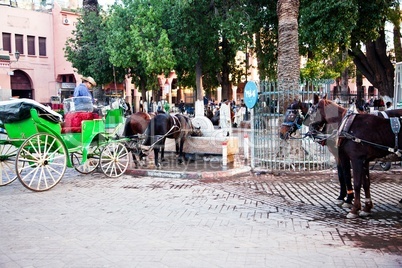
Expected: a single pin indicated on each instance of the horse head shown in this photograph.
(325, 115)
(295, 116)
(196, 132)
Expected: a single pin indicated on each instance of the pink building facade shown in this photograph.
(39, 37)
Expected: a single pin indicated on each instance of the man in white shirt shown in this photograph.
(224, 118)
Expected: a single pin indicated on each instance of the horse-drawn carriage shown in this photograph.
(36, 146)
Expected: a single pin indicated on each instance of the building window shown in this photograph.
(7, 42)
(19, 43)
(42, 46)
(31, 45)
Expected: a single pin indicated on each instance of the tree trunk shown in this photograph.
(397, 43)
(359, 87)
(288, 51)
(198, 78)
(225, 83)
(375, 65)
(344, 79)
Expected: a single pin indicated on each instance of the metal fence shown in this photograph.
(269, 150)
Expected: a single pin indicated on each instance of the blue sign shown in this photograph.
(250, 94)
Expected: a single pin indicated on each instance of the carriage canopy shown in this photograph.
(19, 109)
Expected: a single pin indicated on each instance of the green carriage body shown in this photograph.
(42, 148)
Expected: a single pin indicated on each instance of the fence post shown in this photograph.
(246, 145)
(224, 153)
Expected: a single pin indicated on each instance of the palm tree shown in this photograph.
(288, 50)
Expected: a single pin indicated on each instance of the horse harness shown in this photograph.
(347, 121)
(176, 125)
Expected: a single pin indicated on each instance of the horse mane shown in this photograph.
(341, 111)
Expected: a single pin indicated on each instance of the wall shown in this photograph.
(40, 69)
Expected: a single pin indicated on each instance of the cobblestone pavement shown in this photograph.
(253, 219)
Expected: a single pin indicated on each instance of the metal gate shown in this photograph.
(272, 153)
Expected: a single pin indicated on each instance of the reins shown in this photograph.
(343, 129)
(353, 138)
(294, 123)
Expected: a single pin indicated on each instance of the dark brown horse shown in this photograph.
(162, 126)
(294, 118)
(296, 115)
(359, 139)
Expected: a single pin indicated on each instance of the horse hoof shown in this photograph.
(338, 202)
(347, 205)
(352, 216)
(364, 213)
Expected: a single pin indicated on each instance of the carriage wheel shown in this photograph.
(41, 162)
(385, 165)
(8, 154)
(114, 159)
(90, 165)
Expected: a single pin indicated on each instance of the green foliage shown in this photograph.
(193, 31)
(326, 23)
(138, 42)
(144, 38)
(318, 69)
(85, 50)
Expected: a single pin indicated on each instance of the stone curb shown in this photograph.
(192, 175)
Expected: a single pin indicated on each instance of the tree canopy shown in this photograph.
(199, 40)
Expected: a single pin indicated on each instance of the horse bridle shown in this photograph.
(297, 121)
(317, 133)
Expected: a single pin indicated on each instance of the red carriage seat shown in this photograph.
(73, 121)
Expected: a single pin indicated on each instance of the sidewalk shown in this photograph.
(95, 221)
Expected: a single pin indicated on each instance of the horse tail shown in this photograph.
(127, 132)
(147, 134)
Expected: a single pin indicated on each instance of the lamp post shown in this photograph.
(247, 63)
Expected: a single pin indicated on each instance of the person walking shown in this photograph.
(182, 107)
(82, 90)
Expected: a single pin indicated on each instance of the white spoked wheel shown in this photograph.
(41, 162)
(114, 159)
(90, 164)
(8, 153)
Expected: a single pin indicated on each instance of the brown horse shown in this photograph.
(136, 124)
(359, 139)
(162, 126)
(296, 115)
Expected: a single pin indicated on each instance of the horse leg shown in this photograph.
(156, 156)
(177, 146)
(347, 177)
(136, 162)
(342, 183)
(163, 153)
(359, 175)
(181, 156)
(161, 146)
(368, 204)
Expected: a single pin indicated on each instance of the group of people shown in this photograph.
(374, 103)
(226, 114)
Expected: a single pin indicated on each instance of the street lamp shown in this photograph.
(17, 55)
